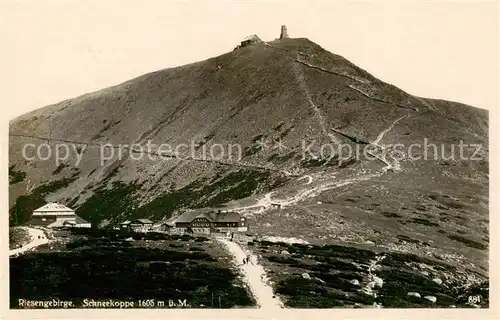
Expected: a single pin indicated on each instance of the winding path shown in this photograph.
(255, 276)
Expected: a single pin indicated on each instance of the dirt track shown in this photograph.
(255, 276)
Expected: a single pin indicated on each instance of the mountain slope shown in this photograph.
(290, 92)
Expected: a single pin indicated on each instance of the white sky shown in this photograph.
(51, 51)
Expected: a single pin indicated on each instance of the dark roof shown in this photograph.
(188, 216)
(211, 215)
(168, 223)
(230, 216)
(142, 221)
(205, 216)
(252, 37)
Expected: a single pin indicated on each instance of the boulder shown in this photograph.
(414, 294)
(431, 298)
(306, 275)
(354, 282)
(437, 280)
(285, 253)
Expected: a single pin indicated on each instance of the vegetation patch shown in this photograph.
(405, 238)
(114, 269)
(108, 202)
(276, 157)
(59, 168)
(468, 242)
(399, 261)
(424, 222)
(285, 132)
(311, 163)
(331, 271)
(390, 214)
(255, 146)
(397, 284)
(15, 176)
(311, 276)
(234, 186)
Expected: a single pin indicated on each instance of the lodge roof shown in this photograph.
(210, 215)
(226, 216)
(53, 207)
(252, 37)
(143, 221)
(168, 222)
(188, 216)
(78, 220)
(205, 216)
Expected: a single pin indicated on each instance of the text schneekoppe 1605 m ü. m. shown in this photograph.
(110, 303)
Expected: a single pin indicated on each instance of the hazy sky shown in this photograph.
(56, 50)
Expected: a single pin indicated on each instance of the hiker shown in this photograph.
(248, 258)
(244, 260)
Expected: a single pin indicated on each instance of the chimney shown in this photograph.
(284, 32)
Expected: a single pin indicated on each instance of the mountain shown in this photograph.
(289, 104)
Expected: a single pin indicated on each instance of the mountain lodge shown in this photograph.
(141, 225)
(53, 215)
(251, 39)
(206, 221)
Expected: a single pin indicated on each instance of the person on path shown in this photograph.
(244, 260)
